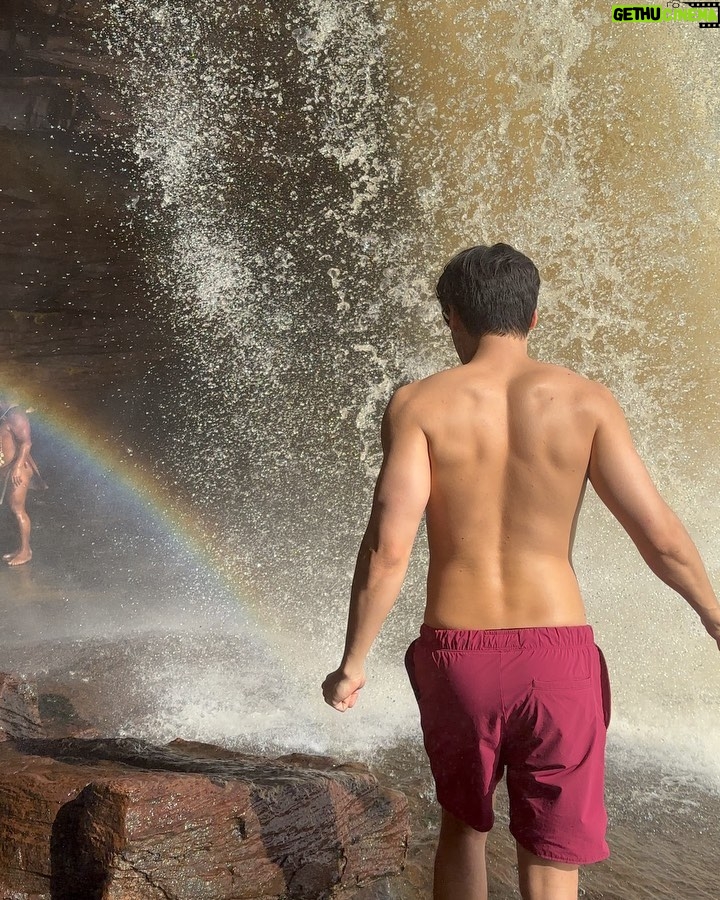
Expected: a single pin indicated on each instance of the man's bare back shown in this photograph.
(509, 443)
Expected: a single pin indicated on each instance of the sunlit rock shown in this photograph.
(118, 819)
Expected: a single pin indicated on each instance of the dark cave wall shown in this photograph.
(76, 317)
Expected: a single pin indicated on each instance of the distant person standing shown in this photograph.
(18, 473)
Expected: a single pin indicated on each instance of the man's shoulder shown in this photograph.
(435, 381)
(411, 402)
(422, 390)
(426, 396)
(580, 384)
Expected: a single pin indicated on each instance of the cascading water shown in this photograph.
(307, 169)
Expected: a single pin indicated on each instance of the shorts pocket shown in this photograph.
(565, 684)
(605, 688)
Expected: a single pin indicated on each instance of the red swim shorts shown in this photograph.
(531, 702)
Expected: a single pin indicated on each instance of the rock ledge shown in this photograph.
(121, 819)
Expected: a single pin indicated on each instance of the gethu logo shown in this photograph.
(707, 15)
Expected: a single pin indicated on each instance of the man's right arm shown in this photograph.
(623, 484)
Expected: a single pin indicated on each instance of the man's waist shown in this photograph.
(506, 638)
(467, 603)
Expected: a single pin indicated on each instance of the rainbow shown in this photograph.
(160, 505)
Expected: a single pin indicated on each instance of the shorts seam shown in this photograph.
(464, 818)
(503, 707)
(551, 857)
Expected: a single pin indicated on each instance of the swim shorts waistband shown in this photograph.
(505, 638)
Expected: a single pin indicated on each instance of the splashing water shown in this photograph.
(306, 170)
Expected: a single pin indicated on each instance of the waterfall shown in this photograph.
(307, 168)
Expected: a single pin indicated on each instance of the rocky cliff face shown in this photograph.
(74, 315)
(54, 73)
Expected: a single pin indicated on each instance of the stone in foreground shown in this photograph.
(123, 820)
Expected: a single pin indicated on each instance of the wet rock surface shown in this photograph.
(19, 712)
(119, 818)
(55, 73)
(75, 321)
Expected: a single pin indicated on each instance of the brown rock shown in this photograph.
(112, 819)
(32, 790)
(19, 714)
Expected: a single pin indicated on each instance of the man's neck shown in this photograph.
(494, 349)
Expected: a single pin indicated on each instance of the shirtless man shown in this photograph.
(17, 471)
(497, 453)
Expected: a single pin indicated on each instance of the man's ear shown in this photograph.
(454, 322)
(534, 320)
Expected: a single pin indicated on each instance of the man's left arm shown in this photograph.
(20, 429)
(401, 495)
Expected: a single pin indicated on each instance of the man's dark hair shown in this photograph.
(494, 289)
